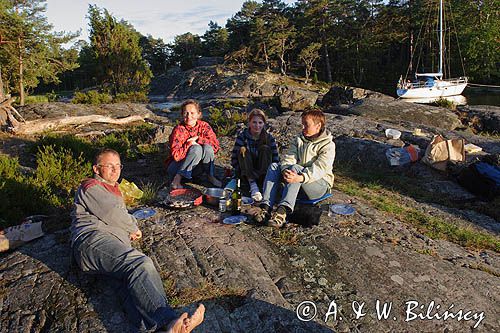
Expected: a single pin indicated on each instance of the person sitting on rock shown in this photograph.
(101, 235)
(193, 145)
(254, 150)
(306, 167)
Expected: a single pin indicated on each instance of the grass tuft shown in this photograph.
(431, 226)
(205, 291)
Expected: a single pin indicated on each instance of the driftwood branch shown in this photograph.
(16, 113)
(41, 125)
(7, 112)
(7, 102)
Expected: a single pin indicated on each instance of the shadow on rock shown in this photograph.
(243, 314)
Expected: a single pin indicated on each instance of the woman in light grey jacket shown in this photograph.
(306, 170)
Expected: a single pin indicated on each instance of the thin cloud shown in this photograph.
(159, 18)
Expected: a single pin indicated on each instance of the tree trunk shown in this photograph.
(328, 67)
(266, 57)
(41, 125)
(21, 83)
(282, 58)
(2, 93)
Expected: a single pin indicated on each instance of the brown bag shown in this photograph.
(440, 151)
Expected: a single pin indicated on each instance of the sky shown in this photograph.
(159, 18)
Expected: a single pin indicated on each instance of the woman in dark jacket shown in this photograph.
(254, 150)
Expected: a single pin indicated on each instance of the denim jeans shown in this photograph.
(196, 154)
(290, 192)
(144, 297)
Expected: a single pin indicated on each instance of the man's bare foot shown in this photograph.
(176, 182)
(178, 326)
(214, 181)
(196, 319)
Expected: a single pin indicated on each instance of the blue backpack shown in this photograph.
(481, 179)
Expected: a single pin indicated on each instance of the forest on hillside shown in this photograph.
(365, 43)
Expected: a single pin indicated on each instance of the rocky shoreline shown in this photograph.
(253, 279)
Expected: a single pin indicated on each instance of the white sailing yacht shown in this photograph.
(432, 85)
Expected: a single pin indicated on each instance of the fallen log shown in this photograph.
(41, 125)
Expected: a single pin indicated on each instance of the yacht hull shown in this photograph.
(439, 89)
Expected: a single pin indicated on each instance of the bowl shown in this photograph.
(392, 133)
(213, 195)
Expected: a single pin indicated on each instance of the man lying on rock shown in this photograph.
(306, 170)
(101, 235)
(193, 145)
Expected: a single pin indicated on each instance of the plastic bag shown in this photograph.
(130, 191)
(402, 156)
(15, 236)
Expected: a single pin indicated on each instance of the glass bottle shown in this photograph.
(236, 199)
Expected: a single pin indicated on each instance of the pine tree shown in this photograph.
(117, 54)
(309, 55)
(186, 49)
(240, 25)
(34, 52)
(215, 41)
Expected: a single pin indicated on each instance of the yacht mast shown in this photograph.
(440, 69)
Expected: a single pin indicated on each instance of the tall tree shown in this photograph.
(36, 52)
(279, 31)
(155, 52)
(283, 37)
(215, 41)
(186, 48)
(261, 38)
(116, 49)
(477, 23)
(240, 25)
(309, 55)
(318, 23)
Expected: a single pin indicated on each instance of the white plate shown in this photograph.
(144, 213)
(236, 219)
(247, 201)
(342, 209)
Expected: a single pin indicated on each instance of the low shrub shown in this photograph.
(126, 142)
(150, 191)
(445, 103)
(77, 146)
(133, 96)
(51, 96)
(91, 97)
(9, 167)
(47, 190)
(33, 99)
(238, 103)
(58, 170)
(225, 122)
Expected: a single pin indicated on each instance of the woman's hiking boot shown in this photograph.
(278, 218)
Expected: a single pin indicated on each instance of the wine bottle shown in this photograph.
(236, 199)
